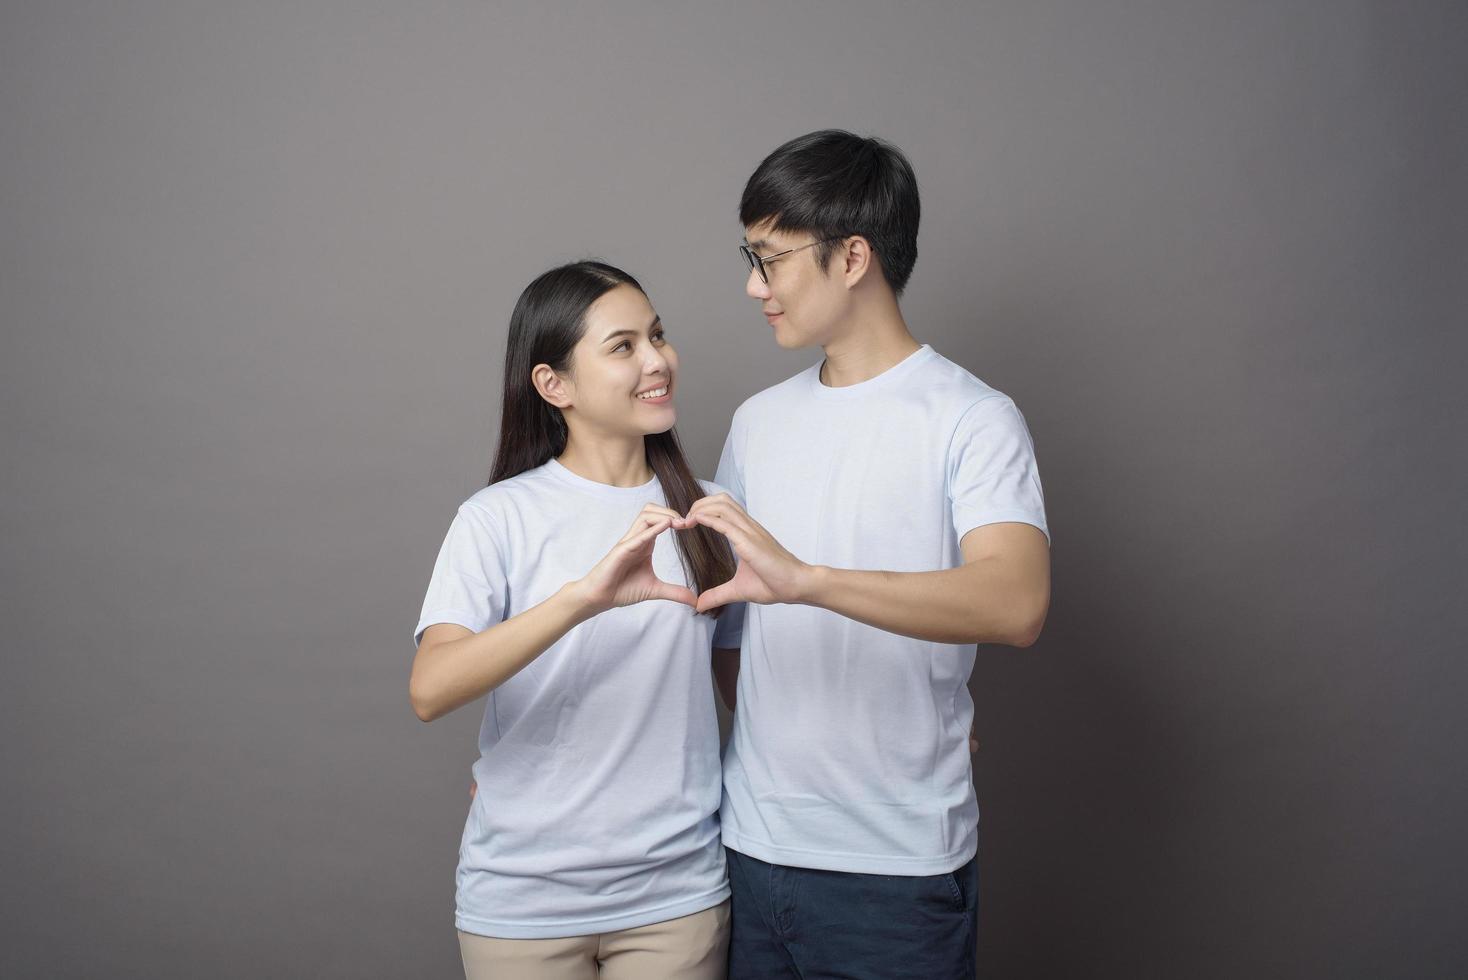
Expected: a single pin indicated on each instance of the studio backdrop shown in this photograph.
(256, 266)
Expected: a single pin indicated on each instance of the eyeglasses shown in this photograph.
(757, 262)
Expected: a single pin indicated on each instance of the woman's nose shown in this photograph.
(656, 362)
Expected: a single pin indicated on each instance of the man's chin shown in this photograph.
(789, 339)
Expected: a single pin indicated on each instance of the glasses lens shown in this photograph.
(754, 262)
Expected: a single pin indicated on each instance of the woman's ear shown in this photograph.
(552, 387)
(856, 257)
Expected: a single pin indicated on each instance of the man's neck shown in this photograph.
(876, 341)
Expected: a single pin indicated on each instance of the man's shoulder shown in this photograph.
(963, 395)
(958, 381)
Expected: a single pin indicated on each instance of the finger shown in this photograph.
(660, 509)
(720, 501)
(717, 596)
(636, 542)
(674, 593)
(648, 519)
(729, 512)
(736, 535)
(643, 522)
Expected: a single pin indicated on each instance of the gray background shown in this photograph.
(256, 264)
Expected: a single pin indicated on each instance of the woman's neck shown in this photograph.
(615, 462)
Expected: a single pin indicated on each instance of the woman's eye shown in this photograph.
(659, 338)
(621, 346)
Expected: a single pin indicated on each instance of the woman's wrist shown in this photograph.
(576, 601)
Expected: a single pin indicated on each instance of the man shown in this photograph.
(887, 514)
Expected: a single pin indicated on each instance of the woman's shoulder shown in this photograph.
(495, 502)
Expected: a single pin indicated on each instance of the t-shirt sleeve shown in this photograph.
(468, 585)
(992, 475)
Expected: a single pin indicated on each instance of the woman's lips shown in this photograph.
(662, 399)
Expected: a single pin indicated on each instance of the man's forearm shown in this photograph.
(984, 601)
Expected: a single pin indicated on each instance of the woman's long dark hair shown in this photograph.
(549, 320)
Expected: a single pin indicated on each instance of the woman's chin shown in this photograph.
(656, 422)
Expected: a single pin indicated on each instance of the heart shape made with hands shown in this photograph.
(765, 572)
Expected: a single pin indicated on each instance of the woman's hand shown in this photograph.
(625, 575)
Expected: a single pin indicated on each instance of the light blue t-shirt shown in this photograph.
(598, 775)
(850, 744)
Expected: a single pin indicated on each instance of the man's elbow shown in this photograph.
(424, 706)
(1027, 631)
(1026, 638)
(1024, 624)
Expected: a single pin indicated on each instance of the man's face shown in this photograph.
(802, 302)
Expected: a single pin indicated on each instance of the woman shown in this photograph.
(592, 842)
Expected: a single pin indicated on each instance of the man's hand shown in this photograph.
(767, 572)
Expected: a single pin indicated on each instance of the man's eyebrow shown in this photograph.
(762, 243)
(624, 332)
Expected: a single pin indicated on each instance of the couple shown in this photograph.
(873, 518)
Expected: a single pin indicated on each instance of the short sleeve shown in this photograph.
(992, 474)
(468, 585)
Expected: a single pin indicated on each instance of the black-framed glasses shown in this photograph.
(757, 262)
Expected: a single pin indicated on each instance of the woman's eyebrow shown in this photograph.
(624, 332)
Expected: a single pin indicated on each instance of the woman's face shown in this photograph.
(623, 369)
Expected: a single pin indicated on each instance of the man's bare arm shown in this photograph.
(1000, 594)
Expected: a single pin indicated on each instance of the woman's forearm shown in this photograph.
(452, 673)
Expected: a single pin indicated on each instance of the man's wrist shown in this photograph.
(813, 585)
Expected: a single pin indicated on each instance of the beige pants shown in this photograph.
(692, 947)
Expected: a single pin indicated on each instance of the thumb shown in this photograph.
(718, 596)
(676, 593)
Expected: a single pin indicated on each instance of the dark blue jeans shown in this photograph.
(821, 925)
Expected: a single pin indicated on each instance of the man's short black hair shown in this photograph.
(835, 184)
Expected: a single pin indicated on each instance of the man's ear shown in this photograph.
(552, 387)
(857, 259)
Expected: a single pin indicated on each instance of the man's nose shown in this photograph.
(756, 287)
